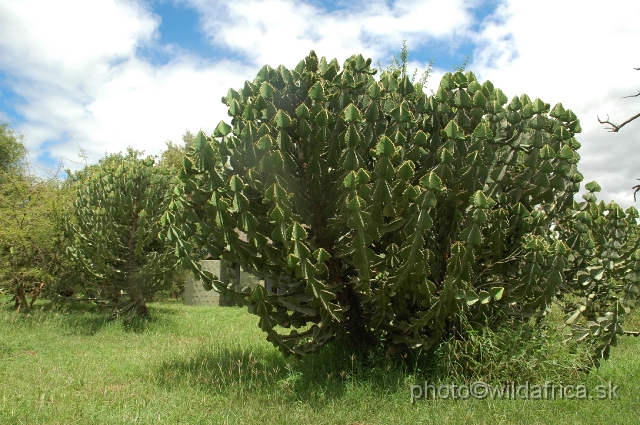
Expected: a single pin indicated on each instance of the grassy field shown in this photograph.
(194, 365)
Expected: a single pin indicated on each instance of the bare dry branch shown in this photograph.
(631, 95)
(637, 189)
(614, 128)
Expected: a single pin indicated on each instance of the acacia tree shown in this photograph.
(379, 213)
(31, 224)
(113, 231)
(173, 154)
(31, 233)
(12, 149)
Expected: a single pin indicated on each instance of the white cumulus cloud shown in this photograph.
(578, 54)
(81, 78)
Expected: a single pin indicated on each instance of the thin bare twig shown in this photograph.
(615, 128)
(637, 189)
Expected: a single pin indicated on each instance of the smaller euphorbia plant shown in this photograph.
(114, 229)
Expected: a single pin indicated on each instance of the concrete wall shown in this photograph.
(195, 294)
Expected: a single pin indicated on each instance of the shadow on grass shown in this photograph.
(87, 318)
(158, 320)
(515, 352)
(66, 318)
(265, 374)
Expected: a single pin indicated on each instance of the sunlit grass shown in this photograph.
(213, 365)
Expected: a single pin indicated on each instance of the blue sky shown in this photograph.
(102, 75)
(180, 26)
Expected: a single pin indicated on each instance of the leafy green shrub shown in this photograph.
(12, 150)
(31, 234)
(381, 214)
(31, 225)
(515, 351)
(113, 231)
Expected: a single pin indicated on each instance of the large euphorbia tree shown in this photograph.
(378, 212)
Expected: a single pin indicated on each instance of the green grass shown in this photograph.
(213, 365)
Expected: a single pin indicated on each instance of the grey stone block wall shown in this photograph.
(247, 279)
(195, 294)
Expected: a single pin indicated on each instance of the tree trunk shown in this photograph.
(21, 298)
(137, 296)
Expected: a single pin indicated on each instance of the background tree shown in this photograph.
(113, 230)
(31, 224)
(381, 214)
(12, 149)
(174, 153)
(172, 158)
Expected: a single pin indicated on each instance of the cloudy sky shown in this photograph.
(101, 75)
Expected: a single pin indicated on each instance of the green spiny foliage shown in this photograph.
(379, 213)
(113, 231)
(602, 270)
